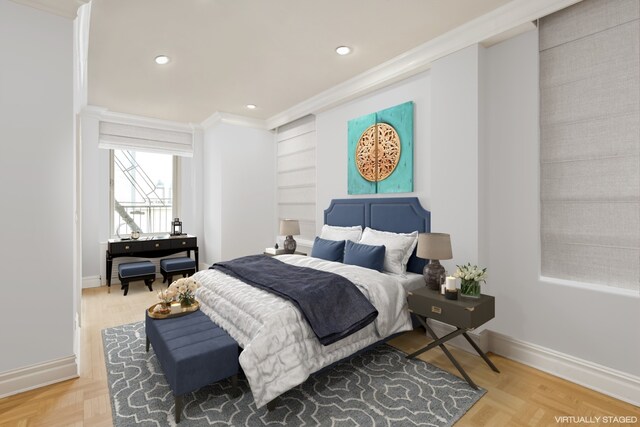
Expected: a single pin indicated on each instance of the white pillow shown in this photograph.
(399, 247)
(333, 232)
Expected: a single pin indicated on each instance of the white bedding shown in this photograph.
(280, 349)
(409, 281)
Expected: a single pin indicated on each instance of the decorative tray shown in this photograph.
(176, 310)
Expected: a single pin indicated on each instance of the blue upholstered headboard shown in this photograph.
(399, 215)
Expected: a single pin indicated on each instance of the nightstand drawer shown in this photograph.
(184, 242)
(463, 313)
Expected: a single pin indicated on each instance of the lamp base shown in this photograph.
(433, 273)
(289, 245)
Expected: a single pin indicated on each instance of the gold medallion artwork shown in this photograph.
(378, 152)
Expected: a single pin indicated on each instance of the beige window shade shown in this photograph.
(296, 174)
(131, 137)
(590, 143)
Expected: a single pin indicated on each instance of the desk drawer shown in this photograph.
(157, 245)
(184, 242)
(117, 248)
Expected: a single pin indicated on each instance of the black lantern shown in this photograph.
(176, 227)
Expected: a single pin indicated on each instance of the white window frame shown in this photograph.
(175, 207)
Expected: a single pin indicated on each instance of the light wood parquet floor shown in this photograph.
(518, 396)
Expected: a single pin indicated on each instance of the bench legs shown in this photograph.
(178, 408)
(235, 391)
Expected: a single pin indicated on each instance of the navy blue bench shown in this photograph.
(193, 352)
(170, 267)
(132, 271)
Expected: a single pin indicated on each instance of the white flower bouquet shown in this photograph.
(470, 278)
(185, 290)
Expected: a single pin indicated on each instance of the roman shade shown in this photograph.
(589, 143)
(141, 138)
(296, 175)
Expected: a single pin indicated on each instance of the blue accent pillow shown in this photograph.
(331, 250)
(367, 256)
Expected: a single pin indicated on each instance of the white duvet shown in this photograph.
(280, 349)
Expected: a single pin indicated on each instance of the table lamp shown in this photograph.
(434, 247)
(289, 228)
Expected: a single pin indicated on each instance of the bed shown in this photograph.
(280, 350)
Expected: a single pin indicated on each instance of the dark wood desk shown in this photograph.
(150, 247)
(464, 313)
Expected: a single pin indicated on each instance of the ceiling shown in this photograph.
(226, 54)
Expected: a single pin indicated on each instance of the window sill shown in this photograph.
(592, 287)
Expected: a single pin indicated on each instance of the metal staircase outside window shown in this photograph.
(141, 199)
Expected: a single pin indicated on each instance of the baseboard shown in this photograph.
(91, 282)
(204, 266)
(35, 376)
(600, 378)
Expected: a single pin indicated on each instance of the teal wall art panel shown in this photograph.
(380, 151)
(400, 118)
(355, 129)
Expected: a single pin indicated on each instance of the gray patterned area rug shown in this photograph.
(377, 388)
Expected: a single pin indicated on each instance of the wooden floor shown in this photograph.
(518, 396)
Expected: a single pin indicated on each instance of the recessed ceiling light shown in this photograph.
(343, 50)
(162, 59)
(251, 106)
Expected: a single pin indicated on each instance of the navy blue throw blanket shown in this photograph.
(334, 307)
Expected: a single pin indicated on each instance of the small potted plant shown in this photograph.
(185, 290)
(470, 277)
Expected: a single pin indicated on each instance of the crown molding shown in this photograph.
(211, 121)
(100, 113)
(486, 27)
(67, 9)
(233, 119)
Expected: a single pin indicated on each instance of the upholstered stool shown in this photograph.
(170, 267)
(193, 352)
(132, 271)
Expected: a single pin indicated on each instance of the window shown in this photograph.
(143, 192)
(589, 146)
(296, 175)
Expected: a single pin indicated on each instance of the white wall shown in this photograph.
(331, 134)
(446, 140)
(477, 170)
(191, 190)
(454, 165)
(239, 191)
(589, 323)
(95, 198)
(36, 171)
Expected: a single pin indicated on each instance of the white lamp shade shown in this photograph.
(289, 227)
(434, 246)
